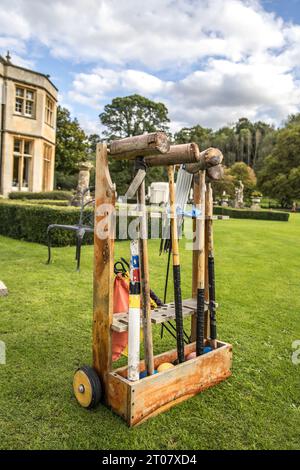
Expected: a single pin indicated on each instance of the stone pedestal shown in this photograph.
(3, 289)
(224, 202)
(255, 203)
(83, 183)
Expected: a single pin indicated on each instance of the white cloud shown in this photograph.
(12, 23)
(90, 126)
(220, 93)
(223, 58)
(92, 88)
(155, 34)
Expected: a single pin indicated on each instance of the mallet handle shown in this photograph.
(145, 282)
(211, 270)
(176, 268)
(201, 267)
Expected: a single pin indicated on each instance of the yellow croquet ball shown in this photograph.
(165, 366)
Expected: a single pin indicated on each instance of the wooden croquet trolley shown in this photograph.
(136, 401)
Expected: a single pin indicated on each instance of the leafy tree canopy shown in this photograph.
(133, 115)
(202, 136)
(243, 141)
(129, 116)
(279, 176)
(71, 143)
(241, 172)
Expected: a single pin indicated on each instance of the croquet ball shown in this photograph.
(165, 366)
(144, 374)
(192, 355)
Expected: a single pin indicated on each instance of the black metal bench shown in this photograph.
(85, 225)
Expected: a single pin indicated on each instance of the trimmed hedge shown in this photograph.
(49, 195)
(46, 202)
(250, 214)
(39, 202)
(25, 221)
(29, 222)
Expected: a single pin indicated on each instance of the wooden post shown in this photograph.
(145, 282)
(103, 267)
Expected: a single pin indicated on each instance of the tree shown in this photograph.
(242, 172)
(243, 141)
(93, 140)
(239, 171)
(129, 116)
(226, 140)
(263, 135)
(264, 148)
(293, 119)
(71, 143)
(279, 176)
(227, 184)
(202, 136)
(133, 115)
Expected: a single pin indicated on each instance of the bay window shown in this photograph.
(22, 163)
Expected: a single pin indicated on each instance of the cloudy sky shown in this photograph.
(209, 61)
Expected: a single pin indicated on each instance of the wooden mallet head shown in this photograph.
(209, 158)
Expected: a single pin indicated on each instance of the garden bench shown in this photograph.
(85, 225)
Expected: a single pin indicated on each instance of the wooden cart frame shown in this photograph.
(137, 401)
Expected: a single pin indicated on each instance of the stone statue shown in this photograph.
(239, 196)
(83, 183)
(224, 201)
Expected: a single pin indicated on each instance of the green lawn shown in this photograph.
(46, 325)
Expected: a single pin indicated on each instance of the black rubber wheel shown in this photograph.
(87, 387)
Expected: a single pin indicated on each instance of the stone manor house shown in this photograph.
(27, 120)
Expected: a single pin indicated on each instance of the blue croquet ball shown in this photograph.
(144, 374)
(207, 349)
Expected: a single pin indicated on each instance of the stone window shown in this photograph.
(49, 111)
(22, 162)
(47, 167)
(25, 101)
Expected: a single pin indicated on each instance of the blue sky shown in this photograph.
(289, 10)
(209, 61)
